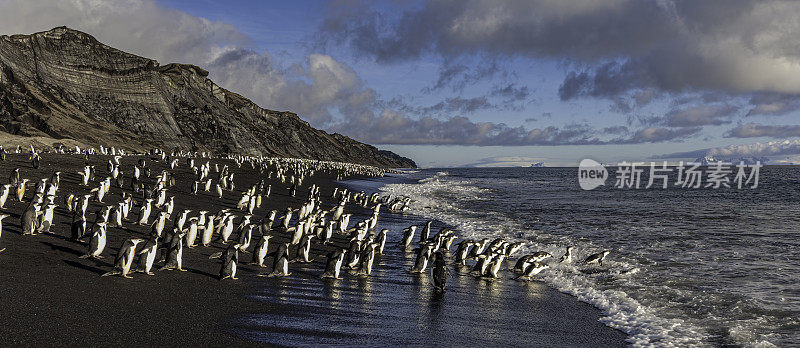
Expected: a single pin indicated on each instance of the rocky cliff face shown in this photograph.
(64, 84)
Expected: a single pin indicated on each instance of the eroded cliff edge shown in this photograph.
(64, 84)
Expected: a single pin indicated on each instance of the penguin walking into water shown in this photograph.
(124, 259)
(440, 271)
(260, 252)
(304, 250)
(382, 240)
(493, 270)
(408, 237)
(174, 258)
(523, 263)
(333, 266)
(229, 257)
(531, 270)
(462, 251)
(421, 263)
(98, 242)
(367, 259)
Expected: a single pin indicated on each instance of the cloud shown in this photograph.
(510, 92)
(613, 47)
(505, 161)
(773, 104)
(655, 135)
(330, 94)
(755, 130)
(772, 148)
(615, 130)
(455, 105)
(699, 115)
(458, 75)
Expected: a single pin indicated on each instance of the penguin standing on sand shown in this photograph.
(29, 219)
(229, 259)
(78, 227)
(280, 267)
(260, 252)
(46, 219)
(244, 238)
(21, 190)
(174, 258)
(191, 232)
(4, 195)
(124, 259)
(2, 216)
(13, 178)
(147, 256)
(98, 242)
(334, 265)
(439, 271)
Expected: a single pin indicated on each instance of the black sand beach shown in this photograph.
(50, 296)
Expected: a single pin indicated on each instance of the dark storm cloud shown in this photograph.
(614, 46)
(773, 104)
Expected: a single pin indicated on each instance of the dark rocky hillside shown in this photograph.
(64, 84)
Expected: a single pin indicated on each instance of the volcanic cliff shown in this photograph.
(64, 84)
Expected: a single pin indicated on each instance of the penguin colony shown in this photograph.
(144, 199)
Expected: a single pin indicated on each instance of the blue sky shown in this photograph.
(482, 82)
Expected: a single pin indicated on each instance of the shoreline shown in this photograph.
(52, 297)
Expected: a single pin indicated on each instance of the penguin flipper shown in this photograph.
(110, 273)
(215, 255)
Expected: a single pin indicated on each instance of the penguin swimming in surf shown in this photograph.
(596, 258)
(531, 270)
(567, 258)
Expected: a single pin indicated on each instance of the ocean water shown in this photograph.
(700, 267)
(394, 308)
